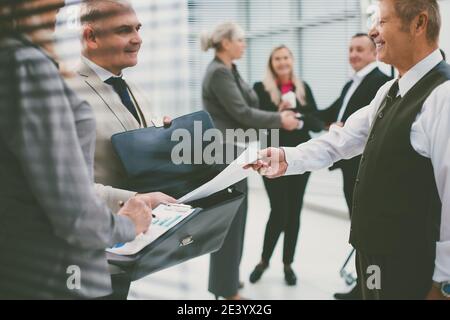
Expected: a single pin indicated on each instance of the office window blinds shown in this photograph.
(317, 31)
(172, 65)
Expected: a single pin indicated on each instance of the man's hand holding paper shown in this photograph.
(232, 174)
(271, 163)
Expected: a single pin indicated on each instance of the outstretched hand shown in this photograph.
(271, 163)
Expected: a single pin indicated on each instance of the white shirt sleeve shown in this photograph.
(430, 136)
(339, 143)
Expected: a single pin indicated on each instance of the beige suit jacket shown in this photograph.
(112, 117)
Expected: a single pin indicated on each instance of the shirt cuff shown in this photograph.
(118, 196)
(125, 230)
(442, 263)
(294, 165)
(112, 196)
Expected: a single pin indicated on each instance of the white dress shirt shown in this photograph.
(104, 74)
(101, 72)
(357, 78)
(430, 137)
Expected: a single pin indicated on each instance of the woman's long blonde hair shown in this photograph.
(271, 85)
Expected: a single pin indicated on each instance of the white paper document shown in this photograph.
(167, 216)
(231, 175)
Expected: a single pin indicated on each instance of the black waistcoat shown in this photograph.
(396, 203)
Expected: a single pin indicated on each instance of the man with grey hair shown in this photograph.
(111, 43)
(401, 209)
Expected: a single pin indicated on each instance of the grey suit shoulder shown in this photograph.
(51, 224)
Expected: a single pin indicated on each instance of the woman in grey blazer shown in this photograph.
(53, 228)
(233, 104)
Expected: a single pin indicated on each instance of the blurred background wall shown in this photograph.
(172, 65)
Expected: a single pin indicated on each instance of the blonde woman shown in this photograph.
(233, 104)
(282, 90)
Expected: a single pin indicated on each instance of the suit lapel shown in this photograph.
(353, 103)
(345, 90)
(141, 104)
(109, 97)
(338, 106)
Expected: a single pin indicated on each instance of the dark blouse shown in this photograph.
(308, 111)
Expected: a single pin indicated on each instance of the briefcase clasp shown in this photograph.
(186, 241)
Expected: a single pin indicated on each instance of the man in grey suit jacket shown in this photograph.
(111, 43)
(53, 229)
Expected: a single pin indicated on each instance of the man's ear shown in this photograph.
(89, 37)
(420, 23)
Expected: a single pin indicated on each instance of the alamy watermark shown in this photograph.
(74, 280)
(213, 147)
(374, 277)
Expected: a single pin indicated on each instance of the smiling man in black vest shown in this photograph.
(401, 208)
(357, 93)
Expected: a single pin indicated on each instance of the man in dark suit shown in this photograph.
(357, 93)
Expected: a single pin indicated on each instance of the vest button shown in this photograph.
(381, 115)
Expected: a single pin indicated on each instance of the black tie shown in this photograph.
(391, 98)
(393, 91)
(121, 88)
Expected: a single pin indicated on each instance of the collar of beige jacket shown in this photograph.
(111, 99)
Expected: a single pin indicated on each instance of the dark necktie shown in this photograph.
(391, 97)
(121, 88)
(393, 92)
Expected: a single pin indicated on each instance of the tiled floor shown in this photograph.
(321, 251)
